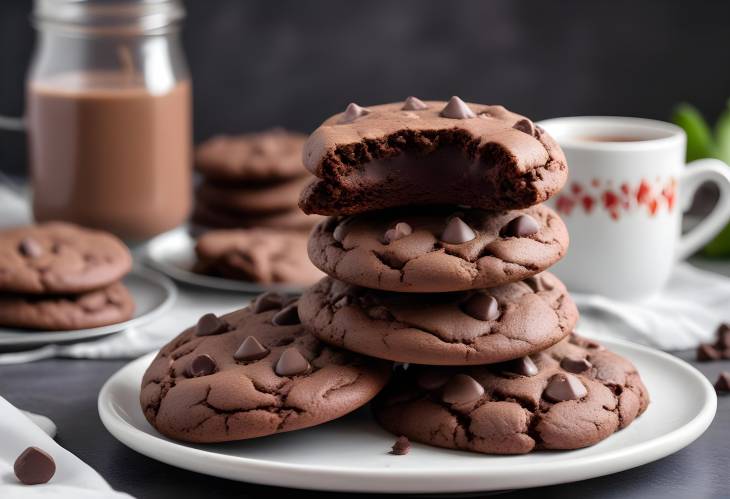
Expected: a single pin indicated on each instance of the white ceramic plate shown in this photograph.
(153, 295)
(351, 454)
(173, 253)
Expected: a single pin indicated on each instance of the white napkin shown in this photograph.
(73, 479)
(685, 314)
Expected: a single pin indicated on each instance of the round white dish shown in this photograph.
(351, 454)
(153, 295)
(173, 254)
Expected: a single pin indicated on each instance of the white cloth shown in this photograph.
(685, 314)
(73, 479)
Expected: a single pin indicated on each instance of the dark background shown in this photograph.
(260, 63)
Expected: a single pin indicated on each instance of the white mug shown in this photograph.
(623, 201)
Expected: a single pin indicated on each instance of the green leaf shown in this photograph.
(720, 246)
(699, 138)
(722, 135)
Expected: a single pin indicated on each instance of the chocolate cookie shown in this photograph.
(253, 198)
(264, 156)
(432, 152)
(251, 373)
(260, 255)
(462, 328)
(59, 258)
(294, 219)
(109, 305)
(434, 249)
(570, 396)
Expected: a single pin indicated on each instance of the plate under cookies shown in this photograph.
(351, 454)
(153, 295)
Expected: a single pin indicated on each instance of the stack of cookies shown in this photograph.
(252, 180)
(57, 276)
(249, 192)
(436, 250)
(436, 247)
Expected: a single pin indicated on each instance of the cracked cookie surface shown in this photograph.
(258, 255)
(394, 155)
(355, 249)
(282, 380)
(60, 258)
(495, 411)
(101, 307)
(461, 328)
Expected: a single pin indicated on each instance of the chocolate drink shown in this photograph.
(108, 153)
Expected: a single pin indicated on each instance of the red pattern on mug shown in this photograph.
(626, 199)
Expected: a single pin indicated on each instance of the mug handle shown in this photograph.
(695, 174)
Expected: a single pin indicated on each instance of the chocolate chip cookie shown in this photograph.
(251, 373)
(210, 217)
(259, 255)
(253, 198)
(438, 248)
(433, 152)
(572, 395)
(59, 258)
(461, 328)
(264, 156)
(108, 305)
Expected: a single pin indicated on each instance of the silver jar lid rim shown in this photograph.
(109, 17)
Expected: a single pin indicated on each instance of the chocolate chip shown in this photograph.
(462, 389)
(723, 336)
(287, 316)
(250, 349)
(524, 126)
(414, 104)
(538, 283)
(723, 382)
(521, 226)
(353, 112)
(202, 365)
(523, 366)
(291, 363)
(481, 306)
(575, 365)
(34, 466)
(338, 234)
(268, 301)
(706, 353)
(457, 109)
(401, 447)
(210, 324)
(30, 247)
(562, 387)
(432, 379)
(457, 232)
(398, 231)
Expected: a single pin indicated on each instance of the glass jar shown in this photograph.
(109, 116)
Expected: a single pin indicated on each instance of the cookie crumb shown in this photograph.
(707, 352)
(401, 447)
(722, 385)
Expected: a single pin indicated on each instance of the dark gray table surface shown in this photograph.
(66, 391)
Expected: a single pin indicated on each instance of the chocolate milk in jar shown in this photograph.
(110, 129)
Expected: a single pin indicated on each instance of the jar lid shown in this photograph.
(109, 17)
